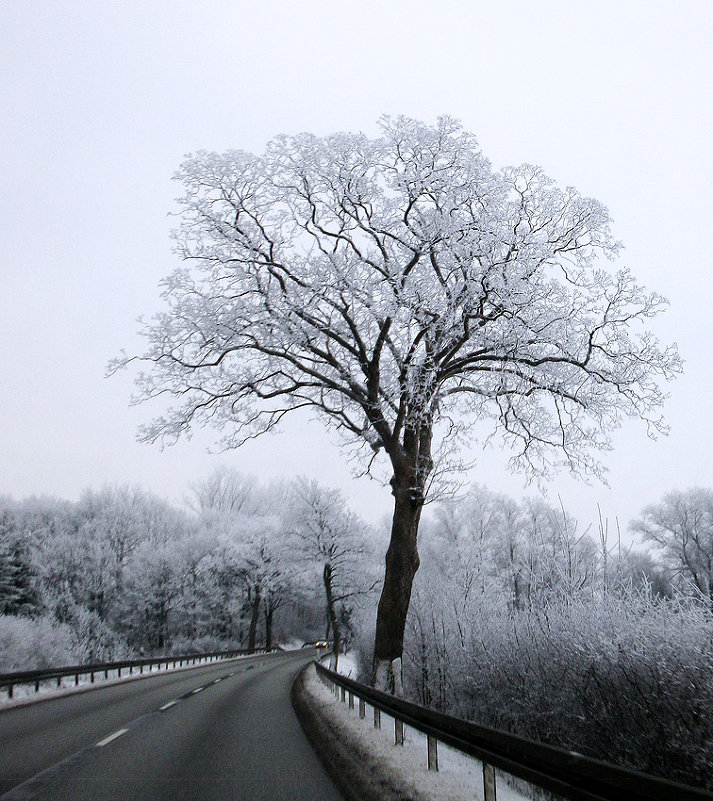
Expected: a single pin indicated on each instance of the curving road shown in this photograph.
(218, 732)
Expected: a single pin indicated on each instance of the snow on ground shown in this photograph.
(347, 665)
(459, 778)
(292, 645)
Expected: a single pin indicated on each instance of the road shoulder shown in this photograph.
(357, 773)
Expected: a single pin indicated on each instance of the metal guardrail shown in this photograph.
(10, 680)
(566, 773)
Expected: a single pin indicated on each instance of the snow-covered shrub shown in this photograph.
(624, 677)
(34, 644)
(94, 641)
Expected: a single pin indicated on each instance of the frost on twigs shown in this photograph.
(401, 289)
(392, 283)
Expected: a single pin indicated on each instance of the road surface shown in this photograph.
(221, 731)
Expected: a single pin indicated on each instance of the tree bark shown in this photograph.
(269, 612)
(331, 610)
(402, 562)
(254, 616)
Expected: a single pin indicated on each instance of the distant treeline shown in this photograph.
(122, 572)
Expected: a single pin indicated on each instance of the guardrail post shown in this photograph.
(398, 732)
(91, 677)
(432, 752)
(362, 708)
(9, 690)
(59, 681)
(489, 788)
(37, 686)
(76, 679)
(344, 694)
(377, 718)
(351, 700)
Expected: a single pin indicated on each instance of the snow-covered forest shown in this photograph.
(121, 572)
(521, 617)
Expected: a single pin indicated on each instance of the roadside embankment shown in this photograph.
(367, 766)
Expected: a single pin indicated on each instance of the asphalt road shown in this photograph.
(218, 732)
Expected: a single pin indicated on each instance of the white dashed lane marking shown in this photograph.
(111, 737)
(167, 706)
(197, 690)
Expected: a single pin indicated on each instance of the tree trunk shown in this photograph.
(402, 562)
(254, 616)
(336, 635)
(269, 612)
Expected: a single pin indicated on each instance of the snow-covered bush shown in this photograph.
(94, 641)
(34, 644)
(625, 677)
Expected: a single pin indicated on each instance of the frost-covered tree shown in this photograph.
(228, 492)
(401, 288)
(261, 563)
(329, 540)
(247, 561)
(150, 596)
(220, 586)
(561, 561)
(19, 578)
(88, 555)
(680, 527)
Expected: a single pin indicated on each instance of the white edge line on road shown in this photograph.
(167, 706)
(197, 690)
(111, 737)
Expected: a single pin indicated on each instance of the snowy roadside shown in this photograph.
(459, 778)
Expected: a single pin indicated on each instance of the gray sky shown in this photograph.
(101, 99)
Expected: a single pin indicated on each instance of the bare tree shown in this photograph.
(328, 537)
(402, 289)
(681, 528)
(227, 491)
(266, 570)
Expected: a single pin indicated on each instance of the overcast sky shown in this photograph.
(101, 100)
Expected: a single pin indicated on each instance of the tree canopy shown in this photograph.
(402, 288)
(377, 280)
